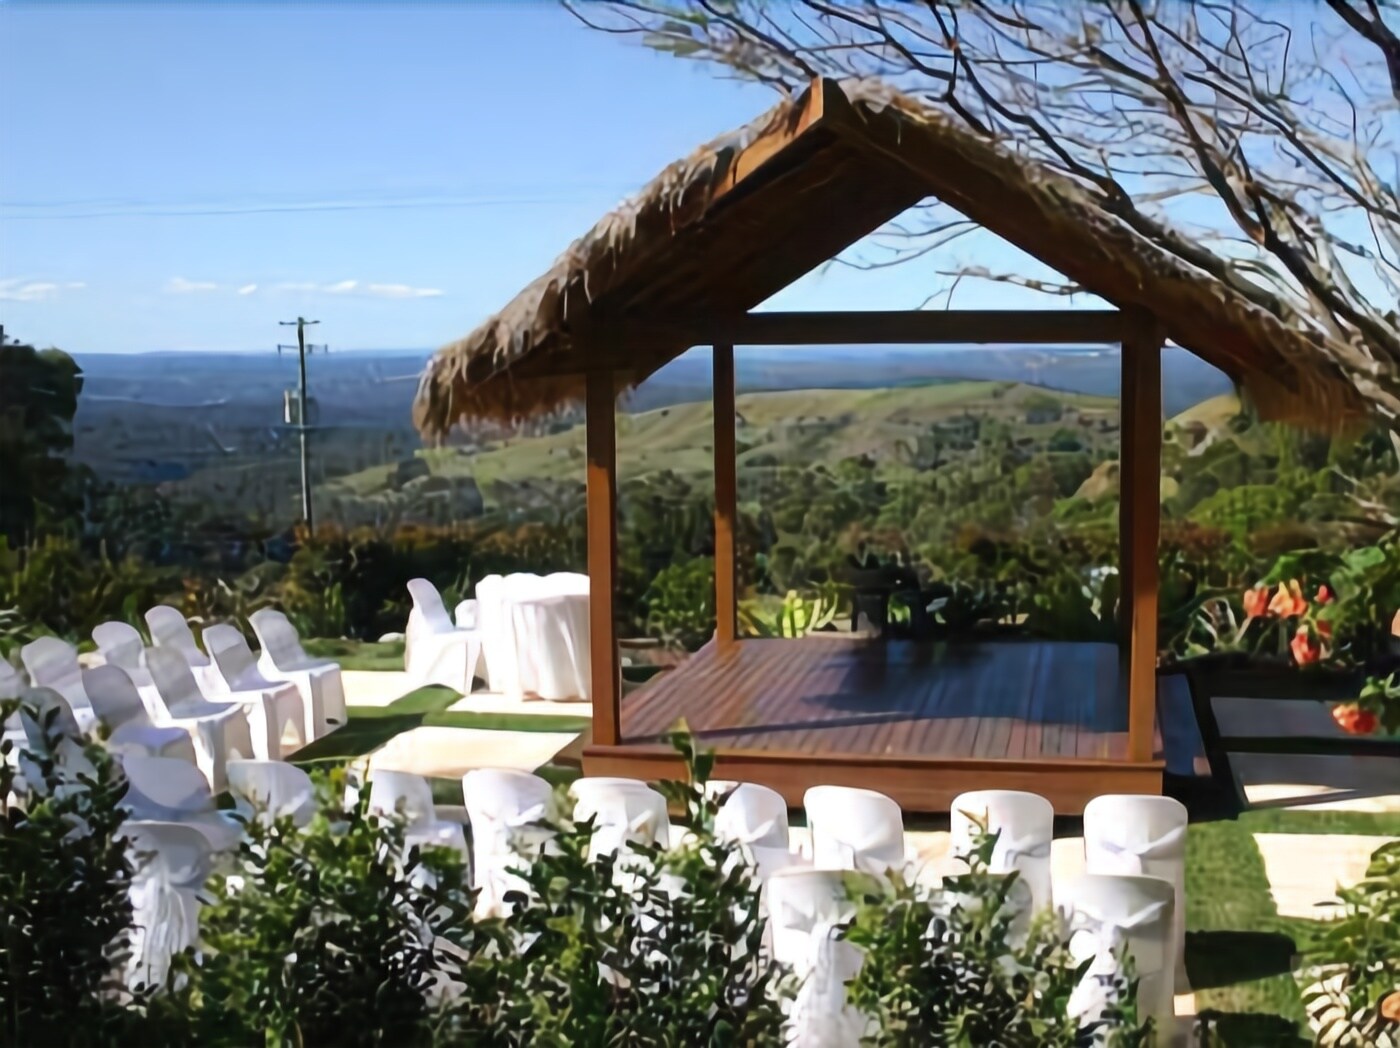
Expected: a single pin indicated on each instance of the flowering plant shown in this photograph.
(1283, 618)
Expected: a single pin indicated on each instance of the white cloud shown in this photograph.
(359, 289)
(181, 286)
(247, 289)
(16, 289)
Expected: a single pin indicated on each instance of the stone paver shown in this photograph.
(450, 752)
(1313, 782)
(492, 702)
(375, 687)
(1304, 869)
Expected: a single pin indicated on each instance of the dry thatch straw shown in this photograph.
(720, 231)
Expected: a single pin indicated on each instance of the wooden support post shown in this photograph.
(606, 679)
(726, 497)
(1140, 513)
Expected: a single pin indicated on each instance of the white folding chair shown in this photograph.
(12, 682)
(170, 862)
(1144, 836)
(170, 630)
(624, 812)
(855, 829)
(236, 669)
(118, 705)
(807, 909)
(120, 644)
(435, 650)
(1108, 915)
(272, 790)
(221, 731)
(161, 789)
(282, 658)
(412, 798)
(48, 728)
(755, 818)
(1025, 827)
(53, 663)
(506, 809)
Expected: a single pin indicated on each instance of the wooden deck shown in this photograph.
(921, 721)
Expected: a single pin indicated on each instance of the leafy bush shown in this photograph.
(1361, 1003)
(331, 934)
(943, 967)
(794, 615)
(63, 896)
(680, 603)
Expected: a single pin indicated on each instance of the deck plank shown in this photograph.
(846, 694)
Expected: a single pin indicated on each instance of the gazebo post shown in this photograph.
(726, 486)
(1139, 521)
(606, 667)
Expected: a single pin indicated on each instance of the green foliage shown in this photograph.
(680, 603)
(38, 398)
(330, 934)
(63, 895)
(795, 615)
(1364, 943)
(944, 967)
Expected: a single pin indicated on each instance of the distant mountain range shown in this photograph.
(375, 387)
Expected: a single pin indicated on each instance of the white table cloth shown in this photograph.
(535, 635)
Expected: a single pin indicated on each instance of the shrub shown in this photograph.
(1358, 1004)
(942, 967)
(331, 934)
(680, 603)
(63, 896)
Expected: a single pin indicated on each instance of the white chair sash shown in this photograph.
(1132, 859)
(1102, 939)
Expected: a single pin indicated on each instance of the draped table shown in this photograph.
(535, 635)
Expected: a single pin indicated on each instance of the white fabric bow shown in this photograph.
(1103, 939)
(1132, 858)
(1009, 850)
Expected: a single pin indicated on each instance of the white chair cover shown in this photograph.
(118, 705)
(121, 644)
(221, 731)
(411, 797)
(236, 669)
(12, 682)
(506, 809)
(283, 659)
(1025, 827)
(807, 909)
(467, 615)
(1109, 914)
(535, 634)
(170, 863)
(1142, 836)
(624, 812)
(53, 663)
(160, 789)
(435, 650)
(170, 630)
(48, 727)
(855, 829)
(271, 790)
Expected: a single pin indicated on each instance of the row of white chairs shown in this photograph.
(174, 699)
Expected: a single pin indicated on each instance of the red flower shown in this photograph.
(1305, 650)
(1353, 720)
(1324, 595)
(1256, 602)
(1288, 600)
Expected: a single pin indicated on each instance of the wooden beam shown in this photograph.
(1140, 512)
(606, 666)
(726, 497)
(920, 327)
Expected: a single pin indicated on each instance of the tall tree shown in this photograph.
(38, 399)
(1257, 141)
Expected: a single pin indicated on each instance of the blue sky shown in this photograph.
(184, 176)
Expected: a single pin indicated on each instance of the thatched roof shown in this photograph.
(720, 231)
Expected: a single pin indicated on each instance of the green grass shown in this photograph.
(358, 654)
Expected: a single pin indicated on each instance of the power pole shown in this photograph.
(303, 427)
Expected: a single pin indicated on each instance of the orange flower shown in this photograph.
(1353, 720)
(1256, 602)
(1324, 594)
(1390, 1007)
(1288, 600)
(1305, 650)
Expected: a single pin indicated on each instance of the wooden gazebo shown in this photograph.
(716, 234)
